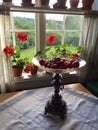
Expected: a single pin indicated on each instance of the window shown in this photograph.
(67, 28)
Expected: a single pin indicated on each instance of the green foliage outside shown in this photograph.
(30, 52)
(53, 25)
(72, 38)
(24, 23)
(73, 22)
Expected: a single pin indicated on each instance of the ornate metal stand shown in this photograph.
(56, 105)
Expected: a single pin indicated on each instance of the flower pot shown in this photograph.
(17, 71)
(44, 2)
(74, 3)
(26, 1)
(61, 3)
(87, 4)
(34, 71)
(7, 1)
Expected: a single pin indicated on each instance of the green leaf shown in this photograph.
(17, 48)
(58, 50)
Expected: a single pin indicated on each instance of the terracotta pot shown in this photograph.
(7, 1)
(87, 4)
(61, 3)
(27, 1)
(45, 2)
(74, 3)
(17, 71)
(34, 71)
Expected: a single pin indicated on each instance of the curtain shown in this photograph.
(6, 81)
(90, 40)
(95, 5)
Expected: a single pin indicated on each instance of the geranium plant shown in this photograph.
(31, 68)
(21, 36)
(15, 52)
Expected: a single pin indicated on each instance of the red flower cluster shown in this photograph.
(8, 51)
(21, 36)
(51, 39)
(28, 68)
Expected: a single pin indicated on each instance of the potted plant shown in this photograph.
(31, 68)
(87, 4)
(27, 3)
(61, 3)
(74, 3)
(17, 62)
(7, 1)
(14, 53)
(44, 3)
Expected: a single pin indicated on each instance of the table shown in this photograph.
(25, 111)
(76, 86)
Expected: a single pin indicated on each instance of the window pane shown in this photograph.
(24, 22)
(54, 21)
(72, 38)
(73, 22)
(29, 47)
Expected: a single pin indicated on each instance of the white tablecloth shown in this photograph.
(25, 111)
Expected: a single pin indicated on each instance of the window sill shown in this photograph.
(41, 80)
(14, 8)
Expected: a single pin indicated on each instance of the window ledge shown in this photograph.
(15, 8)
(41, 80)
(28, 77)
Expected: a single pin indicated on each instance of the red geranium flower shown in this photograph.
(8, 51)
(75, 55)
(65, 53)
(28, 68)
(21, 36)
(51, 39)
